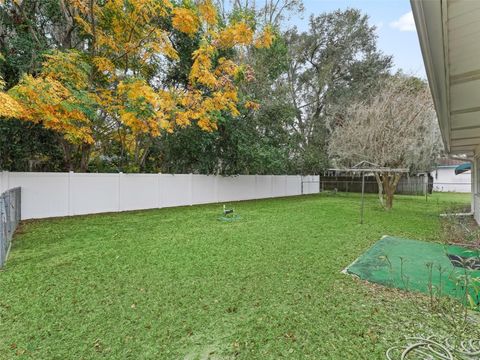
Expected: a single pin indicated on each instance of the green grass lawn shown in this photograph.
(178, 284)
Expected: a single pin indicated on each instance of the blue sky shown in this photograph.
(395, 28)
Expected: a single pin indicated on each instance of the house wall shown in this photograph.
(474, 186)
(64, 194)
(444, 179)
(476, 189)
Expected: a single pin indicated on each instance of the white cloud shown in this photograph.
(404, 23)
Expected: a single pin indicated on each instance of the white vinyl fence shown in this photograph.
(64, 194)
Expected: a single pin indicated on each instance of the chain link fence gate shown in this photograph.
(10, 214)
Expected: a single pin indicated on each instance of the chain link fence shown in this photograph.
(10, 213)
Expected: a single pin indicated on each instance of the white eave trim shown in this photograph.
(430, 24)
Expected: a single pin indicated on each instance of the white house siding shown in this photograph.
(476, 189)
(445, 180)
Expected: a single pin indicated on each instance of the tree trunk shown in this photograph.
(380, 189)
(85, 157)
(390, 182)
(389, 199)
(67, 154)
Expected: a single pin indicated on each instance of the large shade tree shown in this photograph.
(258, 141)
(112, 76)
(334, 63)
(395, 128)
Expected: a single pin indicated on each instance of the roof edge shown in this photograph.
(430, 31)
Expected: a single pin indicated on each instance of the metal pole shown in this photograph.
(426, 186)
(363, 198)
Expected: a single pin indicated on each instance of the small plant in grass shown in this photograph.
(405, 279)
(459, 229)
(456, 315)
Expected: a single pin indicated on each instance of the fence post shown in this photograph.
(191, 189)
(426, 186)
(272, 181)
(159, 189)
(363, 198)
(69, 191)
(19, 205)
(4, 181)
(10, 203)
(8, 216)
(119, 192)
(3, 238)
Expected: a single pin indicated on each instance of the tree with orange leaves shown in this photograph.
(111, 83)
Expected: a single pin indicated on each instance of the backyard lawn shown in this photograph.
(179, 284)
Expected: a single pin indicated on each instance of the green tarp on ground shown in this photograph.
(416, 265)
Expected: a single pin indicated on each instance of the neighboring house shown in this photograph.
(445, 177)
(449, 34)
